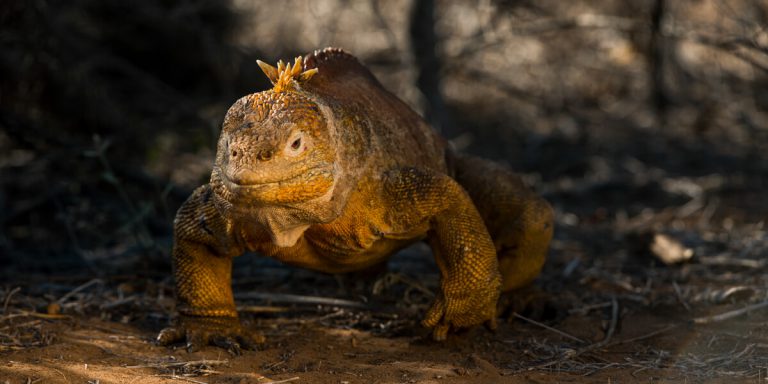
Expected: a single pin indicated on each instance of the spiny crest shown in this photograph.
(284, 75)
(327, 55)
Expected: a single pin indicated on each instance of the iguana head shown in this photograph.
(275, 147)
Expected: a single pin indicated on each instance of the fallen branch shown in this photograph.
(180, 364)
(300, 299)
(8, 299)
(177, 377)
(261, 309)
(730, 314)
(22, 313)
(78, 289)
(281, 381)
(727, 261)
(646, 336)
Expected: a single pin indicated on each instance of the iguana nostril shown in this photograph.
(264, 155)
(234, 153)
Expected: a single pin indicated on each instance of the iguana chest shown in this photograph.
(357, 244)
(362, 236)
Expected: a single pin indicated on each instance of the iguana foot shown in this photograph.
(224, 332)
(474, 306)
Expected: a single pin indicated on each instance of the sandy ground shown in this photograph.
(592, 330)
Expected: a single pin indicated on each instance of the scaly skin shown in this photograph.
(329, 171)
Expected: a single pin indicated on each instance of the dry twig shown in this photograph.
(730, 314)
(8, 299)
(180, 364)
(727, 261)
(177, 377)
(646, 336)
(281, 381)
(261, 309)
(555, 330)
(78, 289)
(300, 299)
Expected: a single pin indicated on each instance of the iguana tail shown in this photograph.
(519, 221)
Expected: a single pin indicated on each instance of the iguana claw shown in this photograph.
(451, 312)
(224, 332)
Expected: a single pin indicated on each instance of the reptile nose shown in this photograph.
(234, 151)
(237, 152)
(242, 165)
(264, 154)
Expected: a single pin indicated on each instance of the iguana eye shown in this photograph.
(295, 145)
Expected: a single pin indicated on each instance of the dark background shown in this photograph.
(633, 118)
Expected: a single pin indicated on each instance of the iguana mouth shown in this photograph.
(255, 184)
(304, 186)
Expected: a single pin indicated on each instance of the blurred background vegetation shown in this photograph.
(641, 115)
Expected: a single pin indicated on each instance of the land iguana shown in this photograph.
(330, 171)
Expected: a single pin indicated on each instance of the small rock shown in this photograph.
(669, 250)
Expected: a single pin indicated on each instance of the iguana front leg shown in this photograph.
(470, 280)
(202, 260)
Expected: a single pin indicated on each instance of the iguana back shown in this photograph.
(371, 123)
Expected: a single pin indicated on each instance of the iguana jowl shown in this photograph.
(329, 171)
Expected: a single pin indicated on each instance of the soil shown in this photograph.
(597, 327)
